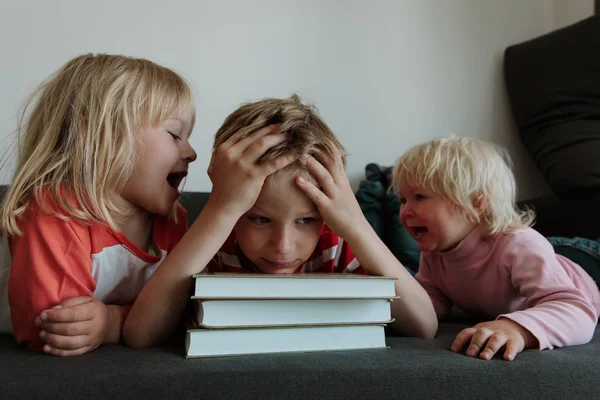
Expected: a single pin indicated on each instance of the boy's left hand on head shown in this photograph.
(75, 326)
(335, 199)
(485, 339)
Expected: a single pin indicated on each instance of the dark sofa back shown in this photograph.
(193, 202)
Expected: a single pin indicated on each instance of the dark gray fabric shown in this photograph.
(553, 84)
(193, 202)
(410, 368)
(576, 217)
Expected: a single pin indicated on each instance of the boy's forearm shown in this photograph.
(159, 307)
(116, 318)
(413, 312)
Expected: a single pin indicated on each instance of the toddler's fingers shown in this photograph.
(462, 339)
(479, 339)
(494, 343)
(513, 347)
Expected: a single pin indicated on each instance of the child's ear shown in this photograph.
(480, 205)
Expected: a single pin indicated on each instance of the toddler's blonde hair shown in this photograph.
(76, 135)
(468, 173)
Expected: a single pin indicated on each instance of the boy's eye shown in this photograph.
(257, 219)
(176, 137)
(402, 200)
(306, 221)
(419, 197)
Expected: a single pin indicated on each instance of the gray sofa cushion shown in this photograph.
(410, 368)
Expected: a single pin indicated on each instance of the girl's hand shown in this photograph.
(79, 325)
(487, 338)
(335, 200)
(236, 176)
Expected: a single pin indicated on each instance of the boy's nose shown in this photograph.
(282, 241)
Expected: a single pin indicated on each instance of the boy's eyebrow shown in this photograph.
(309, 213)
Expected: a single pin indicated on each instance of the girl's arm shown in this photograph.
(413, 312)
(237, 180)
(50, 264)
(79, 325)
(558, 314)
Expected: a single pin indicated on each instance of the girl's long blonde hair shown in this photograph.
(467, 172)
(76, 139)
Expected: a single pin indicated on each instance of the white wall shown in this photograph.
(568, 11)
(385, 74)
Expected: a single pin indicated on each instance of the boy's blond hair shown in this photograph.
(307, 132)
(79, 136)
(472, 174)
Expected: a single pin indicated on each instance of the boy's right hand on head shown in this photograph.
(236, 176)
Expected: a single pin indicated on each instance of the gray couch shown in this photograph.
(410, 368)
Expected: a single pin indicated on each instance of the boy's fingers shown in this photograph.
(334, 165)
(311, 191)
(276, 164)
(260, 146)
(240, 146)
(322, 174)
(211, 164)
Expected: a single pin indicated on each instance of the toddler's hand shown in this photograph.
(75, 326)
(335, 200)
(487, 338)
(236, 176)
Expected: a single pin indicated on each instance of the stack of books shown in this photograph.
(241, 314)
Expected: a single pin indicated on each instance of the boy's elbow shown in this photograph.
(429, 330)
(134, 338)
(424, 330)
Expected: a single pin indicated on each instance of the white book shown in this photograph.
(229, 342)
(292, 286)
(253, 313)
